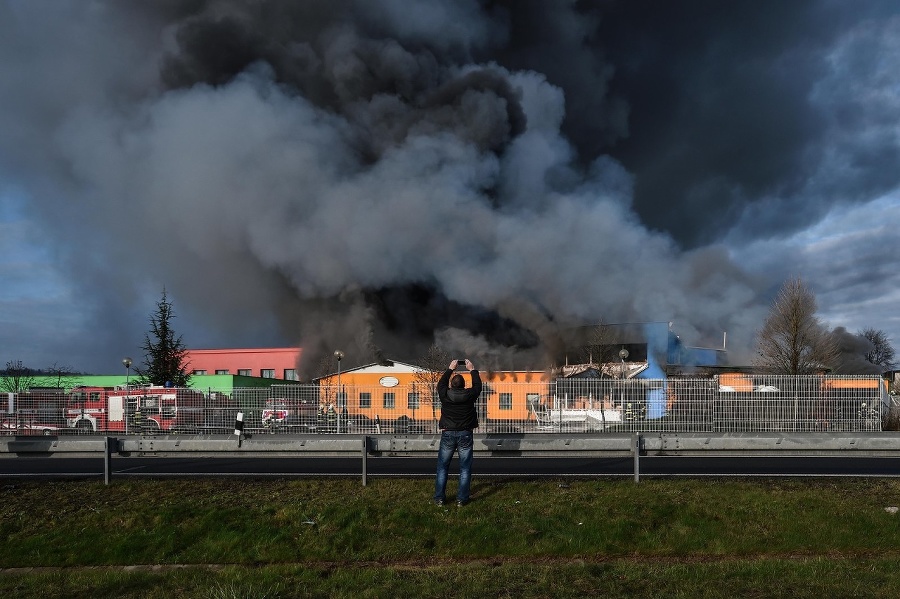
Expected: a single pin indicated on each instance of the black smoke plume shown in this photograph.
(381, 176)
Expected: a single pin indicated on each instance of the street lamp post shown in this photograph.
(623, 355)
(126, 362)
(339, 355)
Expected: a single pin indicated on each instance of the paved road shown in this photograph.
(36, 467)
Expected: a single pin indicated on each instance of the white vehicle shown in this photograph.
(13, 426)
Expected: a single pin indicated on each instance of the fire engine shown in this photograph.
(37, 411)
(290, 414)
(134, 410)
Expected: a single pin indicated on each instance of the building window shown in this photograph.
(199, 372)
(290, 374)
(506, 401)
(245, 372)
(365, 400)
(222, 371)
(436, 400)
(413, 400)
(267, 373)
(389, 399)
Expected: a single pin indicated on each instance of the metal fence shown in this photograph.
(736, 403)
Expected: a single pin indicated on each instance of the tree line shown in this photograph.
(793, 339)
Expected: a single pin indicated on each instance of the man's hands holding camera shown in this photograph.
(462, 362)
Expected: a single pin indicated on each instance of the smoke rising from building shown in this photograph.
(378, 176)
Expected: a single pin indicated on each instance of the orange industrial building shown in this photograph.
(376, 389)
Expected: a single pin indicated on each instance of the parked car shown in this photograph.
(15, 426)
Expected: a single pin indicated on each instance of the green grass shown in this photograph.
(518, 538)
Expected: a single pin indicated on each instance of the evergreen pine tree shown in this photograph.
(164, 354)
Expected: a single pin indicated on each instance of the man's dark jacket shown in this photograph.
(458, 405)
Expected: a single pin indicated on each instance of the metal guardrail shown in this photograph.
(487, 445)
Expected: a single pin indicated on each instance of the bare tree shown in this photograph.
(17, 378)
(326, 369)
(853, 349)
(325, 366)
(432, 366)
(60, 377)
(603, 346)
(882, 352)
(792, 340)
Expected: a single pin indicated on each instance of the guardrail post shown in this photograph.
(365, 451)
(110, 446)
(636, 448)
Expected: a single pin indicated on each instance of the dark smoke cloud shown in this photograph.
(728, 104)
(853, 349)
(378, 176)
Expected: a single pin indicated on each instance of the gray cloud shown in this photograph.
(372, 176)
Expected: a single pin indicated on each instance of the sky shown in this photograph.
(376, 177)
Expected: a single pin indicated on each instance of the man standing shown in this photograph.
(458, 419)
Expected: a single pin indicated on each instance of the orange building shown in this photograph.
(265, 362)
(388, 390)
(514, 395)
(395, 389)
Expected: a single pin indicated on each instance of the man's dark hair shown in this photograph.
(457, 382)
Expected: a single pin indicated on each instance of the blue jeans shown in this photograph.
(454, 441)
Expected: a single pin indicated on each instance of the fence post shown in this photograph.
(239, 426)
(365, 451)
(111, 444)
(636, 447)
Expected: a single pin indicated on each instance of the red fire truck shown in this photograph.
(134, 410)
(36, 412)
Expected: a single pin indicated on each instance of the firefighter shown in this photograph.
(138, 420)
(321, 417)
(343, 421)
(331, 418)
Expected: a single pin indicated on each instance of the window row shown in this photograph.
(388, 400)
(290, 374)
(413, 401)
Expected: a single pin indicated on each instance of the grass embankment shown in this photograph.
(333, 537)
